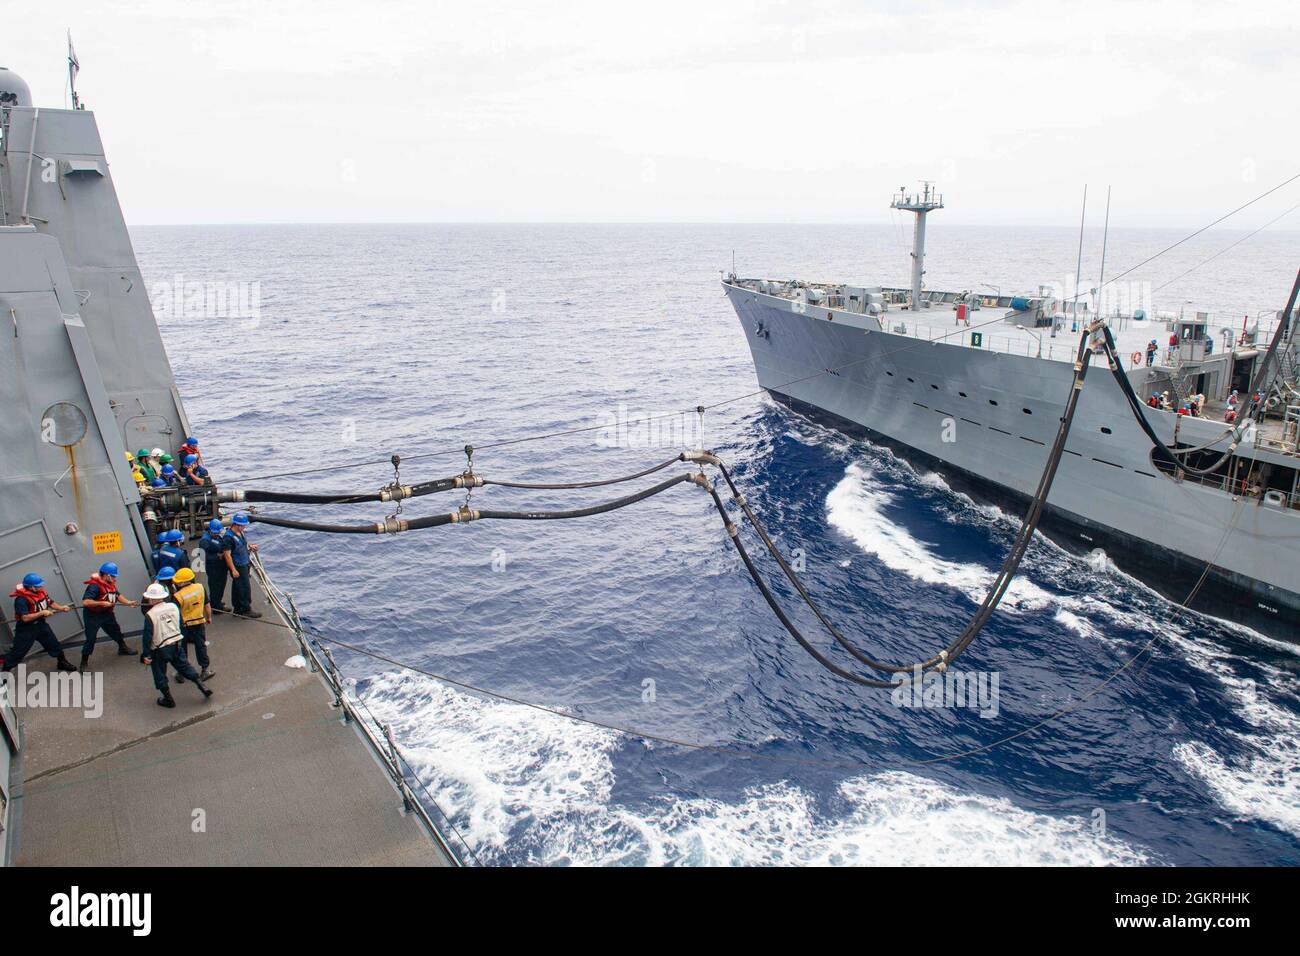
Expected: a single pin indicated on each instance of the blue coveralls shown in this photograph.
(27, 633)
(96, 621)
(215, 566)
(241, 588)
(169, 556)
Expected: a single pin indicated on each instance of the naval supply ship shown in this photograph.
(284, 765)
(975, 386)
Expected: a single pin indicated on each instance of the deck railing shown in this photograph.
(377, 736)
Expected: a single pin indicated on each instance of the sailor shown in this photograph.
(138, 477)
(196, 613)
(192, 471)
(1153, 401)
(238, 558)
(214, 562)
(32, 605)
(1254, 403)
(1152, 348)
(155, 459)
(145, 465)
(164, 642)
(191, 447)
(98, 605)
(1165, 403)
(1230, 415)
(169, 553)
(1233, 399)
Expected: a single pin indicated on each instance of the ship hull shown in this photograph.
(987, 419)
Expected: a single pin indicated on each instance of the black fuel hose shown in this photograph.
(613, 505)
(395, 524)
(1006, 574)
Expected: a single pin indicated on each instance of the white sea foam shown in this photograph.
(1261, 778)
(526, 782)
(858, 510)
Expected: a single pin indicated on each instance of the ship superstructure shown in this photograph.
(975, 384)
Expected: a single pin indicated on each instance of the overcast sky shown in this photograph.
(693, 111)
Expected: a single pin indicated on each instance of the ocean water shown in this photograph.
(372, 340)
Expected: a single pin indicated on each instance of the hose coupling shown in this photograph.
(468, 479)
(731, 529)
(234, 494)
(701, 479)
(701, 457)
(466, 513)
(392, 525)
(394, 492)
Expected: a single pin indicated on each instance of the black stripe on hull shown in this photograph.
(1225, 594)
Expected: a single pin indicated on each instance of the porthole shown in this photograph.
(1105, 430)
(935, 387)
(1026, 411)
(962, 394)
(63, 424)
(993, 401)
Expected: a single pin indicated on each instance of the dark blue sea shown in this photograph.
(366, 341)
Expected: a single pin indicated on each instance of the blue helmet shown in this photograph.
(157, 483)
(166, 574)
(175, 535)
(191, 440)
(32, 580)
(191, 459)
(240, 519)
(215, 525)
(168, 470)
(109, 568)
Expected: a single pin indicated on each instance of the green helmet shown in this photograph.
(142, 453)
(165, 459)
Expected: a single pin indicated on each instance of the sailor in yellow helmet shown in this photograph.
(196, 613)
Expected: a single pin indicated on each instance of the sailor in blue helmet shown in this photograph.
(238, 554)
(32, 606)
(99, 603)
(157, 483)
(169, 476)
(169, 553)
(192, 471)
(213, 544)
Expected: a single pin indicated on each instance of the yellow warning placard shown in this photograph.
(106, 541)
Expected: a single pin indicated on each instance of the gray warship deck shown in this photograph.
(281, 780)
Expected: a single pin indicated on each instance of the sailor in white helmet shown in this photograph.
(163, 643)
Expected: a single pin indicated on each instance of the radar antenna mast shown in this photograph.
(922, 203)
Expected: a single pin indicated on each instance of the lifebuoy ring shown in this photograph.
(1136, 358)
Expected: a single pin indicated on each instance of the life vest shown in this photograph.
(107, 591)
(166, 620)
(191, 599)
(38, 599)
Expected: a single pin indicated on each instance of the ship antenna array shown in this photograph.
(921, 204)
